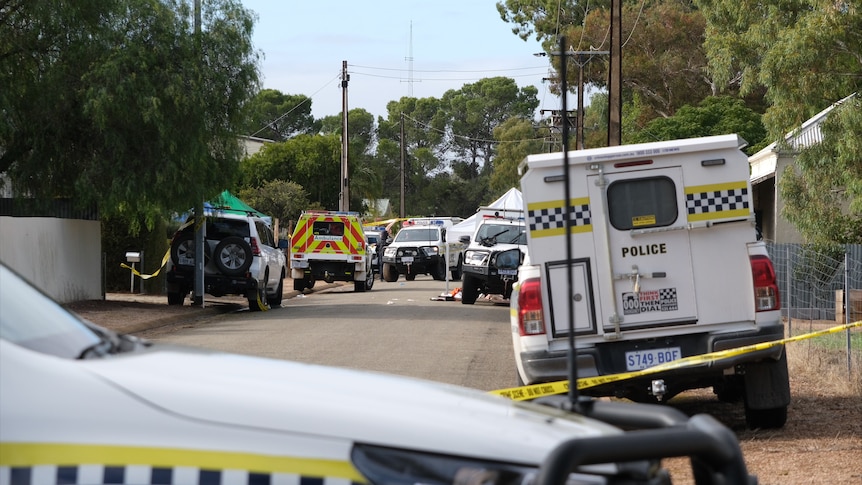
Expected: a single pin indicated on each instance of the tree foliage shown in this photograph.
(823, 192)
(663, 55)
(715, 115)
(474, 111)
(805, 53)
(115, 102)
(277, 116)
(280, 199)
(312, 161)
(517, 138)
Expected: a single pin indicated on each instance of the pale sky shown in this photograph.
(453, 43)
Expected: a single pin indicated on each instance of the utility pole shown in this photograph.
(344, 204)
(200, 227)
(615, 110)
(403, 156)
(581, 59)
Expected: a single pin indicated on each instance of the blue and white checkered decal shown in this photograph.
(145, 474)
(715, 201)
(554, 218)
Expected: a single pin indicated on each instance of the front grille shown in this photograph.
(408, 252)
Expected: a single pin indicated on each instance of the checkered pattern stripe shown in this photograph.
(554, 218)
(717, 201)
(144, 474)
(667, 294)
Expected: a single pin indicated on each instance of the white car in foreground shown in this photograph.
(82, 405)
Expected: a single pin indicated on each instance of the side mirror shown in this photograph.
(465, 239)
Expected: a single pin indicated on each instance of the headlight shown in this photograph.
(431, 250)
(402, 467)
(390, 252)
(475, 258)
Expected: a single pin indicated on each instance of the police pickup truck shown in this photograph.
(420, 247)
(665, 264)
(493, 255)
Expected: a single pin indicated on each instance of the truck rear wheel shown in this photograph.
(469, 290)
(299, 284)
(765, 418)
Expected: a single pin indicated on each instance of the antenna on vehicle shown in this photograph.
(572, 353)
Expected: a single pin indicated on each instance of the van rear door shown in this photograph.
(647, 274)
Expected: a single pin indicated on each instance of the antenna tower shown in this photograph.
(409, 60)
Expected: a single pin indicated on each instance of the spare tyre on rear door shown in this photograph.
(233, 255)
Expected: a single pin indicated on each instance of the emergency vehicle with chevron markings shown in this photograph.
(82, 405)
(665, 263)
(330, 246)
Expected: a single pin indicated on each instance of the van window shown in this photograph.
(328, 228)
(642, 203)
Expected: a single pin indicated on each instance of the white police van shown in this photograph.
(80, 404)
(665, 264)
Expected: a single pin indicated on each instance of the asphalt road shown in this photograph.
(394, 328)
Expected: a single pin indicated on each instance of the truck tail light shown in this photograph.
(530, 313)
(255, 249)
(766, 296)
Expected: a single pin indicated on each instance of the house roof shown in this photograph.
(763, 162)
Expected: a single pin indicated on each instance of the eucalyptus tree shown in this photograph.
(664, 60)
(517, 138)
(805, 54)
(715, 115)
(475, 110)
(312, 161)
(422, 148)
(277, 116)
(120, 103)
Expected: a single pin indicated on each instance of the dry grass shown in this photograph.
(822, 440)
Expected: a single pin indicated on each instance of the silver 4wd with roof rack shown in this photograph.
(493, 255)
(240, 255)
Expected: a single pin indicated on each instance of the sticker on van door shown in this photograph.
(663, 300)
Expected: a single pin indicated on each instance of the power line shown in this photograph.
(447, 70)
(308, 99)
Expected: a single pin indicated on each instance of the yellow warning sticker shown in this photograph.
(560, 387)
(648, 220)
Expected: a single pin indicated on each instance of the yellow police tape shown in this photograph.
(148, 276)
(560, 387)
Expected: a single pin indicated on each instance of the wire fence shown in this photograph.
(821, 286)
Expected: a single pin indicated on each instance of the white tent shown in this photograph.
(511, 200)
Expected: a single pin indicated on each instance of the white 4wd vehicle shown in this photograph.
(81, 404)
(422, 249)
(492, 257)
(665, 264)
(241, 258)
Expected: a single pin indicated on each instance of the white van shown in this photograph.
(665, 264)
